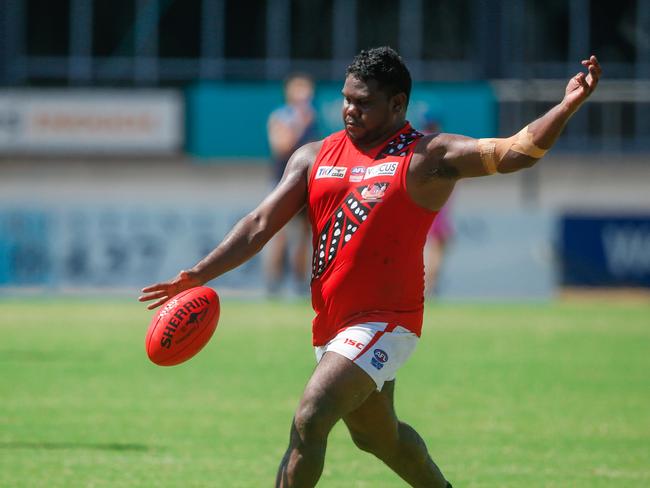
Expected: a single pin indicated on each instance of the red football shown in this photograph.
(183, 326)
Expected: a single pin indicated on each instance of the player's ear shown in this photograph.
(399, 102)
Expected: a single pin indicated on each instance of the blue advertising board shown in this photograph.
(605, 250)
(229, 119)
(226, 120)
(126, 246)
(113, 246)
(24, 250)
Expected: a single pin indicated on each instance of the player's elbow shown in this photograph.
(258, 230)
(517, 163)
(528, 162)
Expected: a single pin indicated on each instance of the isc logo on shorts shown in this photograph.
(352, 342)
(379, 359)
(331, 172)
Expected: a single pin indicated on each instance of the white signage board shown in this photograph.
(73, 121)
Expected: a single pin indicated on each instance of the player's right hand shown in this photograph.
(161, 292)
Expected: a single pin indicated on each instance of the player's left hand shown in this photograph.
(582, 85)
(161, 292)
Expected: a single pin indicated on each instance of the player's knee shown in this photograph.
(363, 442)
(383, 448)
(312, 421)
(411, 442)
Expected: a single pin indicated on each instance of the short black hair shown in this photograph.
(384, 65)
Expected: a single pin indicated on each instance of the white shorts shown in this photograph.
(379, 348)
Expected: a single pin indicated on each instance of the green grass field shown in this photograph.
(505, 396)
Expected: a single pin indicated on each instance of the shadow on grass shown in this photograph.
(54, 446)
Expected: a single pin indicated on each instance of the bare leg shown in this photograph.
(337, 387)
(375, 428)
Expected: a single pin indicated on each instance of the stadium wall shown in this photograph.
(88, 225)
(82, 213)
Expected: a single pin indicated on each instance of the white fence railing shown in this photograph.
(616, 118)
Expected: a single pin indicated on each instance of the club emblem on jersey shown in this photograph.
(374, 192)
(357, 173)
(331, 172)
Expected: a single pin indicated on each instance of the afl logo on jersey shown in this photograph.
(357, 173)
(331, 172)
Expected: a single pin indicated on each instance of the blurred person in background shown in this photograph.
(372, 191)
(441, 231)
(290, 127)
(438, 238)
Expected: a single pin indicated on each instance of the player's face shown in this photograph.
(368, 112)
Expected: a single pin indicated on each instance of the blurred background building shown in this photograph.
(133, 132)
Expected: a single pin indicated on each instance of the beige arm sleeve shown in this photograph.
(493, 151)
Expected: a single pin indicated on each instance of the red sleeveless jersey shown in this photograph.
(368, 236)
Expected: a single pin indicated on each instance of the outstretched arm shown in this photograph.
(249, 235)
(455, 156)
